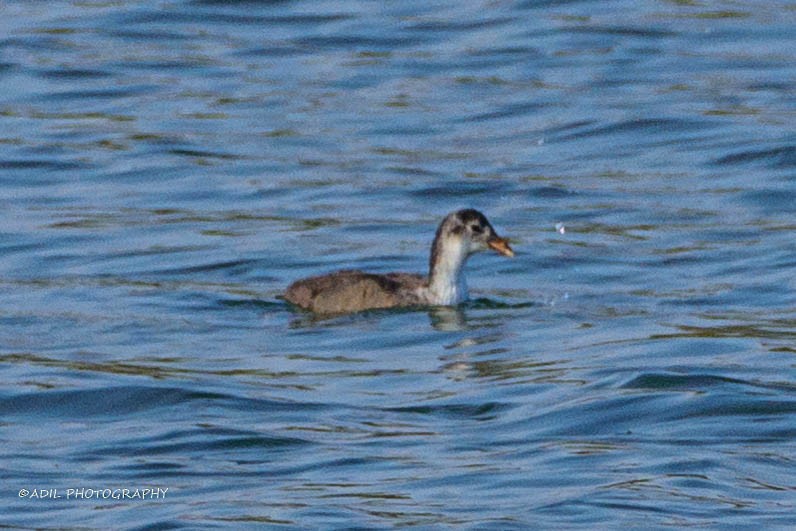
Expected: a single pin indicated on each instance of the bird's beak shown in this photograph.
(500, 245)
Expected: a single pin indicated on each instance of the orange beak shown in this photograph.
(500, 245)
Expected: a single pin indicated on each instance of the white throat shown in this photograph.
(447, 285)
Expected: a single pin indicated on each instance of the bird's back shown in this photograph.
(352, 291)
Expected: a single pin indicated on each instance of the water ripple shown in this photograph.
(781, 157)
(169, 168)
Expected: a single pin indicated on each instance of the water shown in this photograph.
(168, 168)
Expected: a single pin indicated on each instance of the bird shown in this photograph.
(459, 235)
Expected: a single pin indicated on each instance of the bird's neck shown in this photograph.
(446, 279)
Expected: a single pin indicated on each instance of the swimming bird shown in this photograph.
(460, 234)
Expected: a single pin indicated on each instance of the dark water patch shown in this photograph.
(715, 418)
(456, 189)
(333, 466)
(155, 139)
(568, 126)
(94, 221)
(622, 31)
(485, 303)
(149, 469)
(109, 401)
(48, 165)
(148, 35)
(480, 65)
(310, 19)
(675, 382)
(772, 85)
(81, 217)
(780, 157)
(194, 64)
(770, 330)
(128, 400)
(435, 26)
(35, 43)
(629, 232)
(81, 115)
(307, 319)
(155, 371)
(74, 73)
(198, 430)
(196, 153)
(231, 267)
(772, 201)
(109, 279)
(250, 4)
(416, 154)
(407, 130)
(98, 94)
(550, 192)
(480, 412)
(209, 444)
(644, 126)
(356, 42)
(545, 4)
(176, 17)
(275, 50)
(606, 416)
(511, 111)
(751, 408)
(481, 80)
(719, 14)
(252, 304)
(413, 171)
(7, 249)
(525, 52)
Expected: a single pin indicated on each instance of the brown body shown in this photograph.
(353, 291)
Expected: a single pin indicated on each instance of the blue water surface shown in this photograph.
(168, 167)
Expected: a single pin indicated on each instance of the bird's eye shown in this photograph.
(476, 228)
